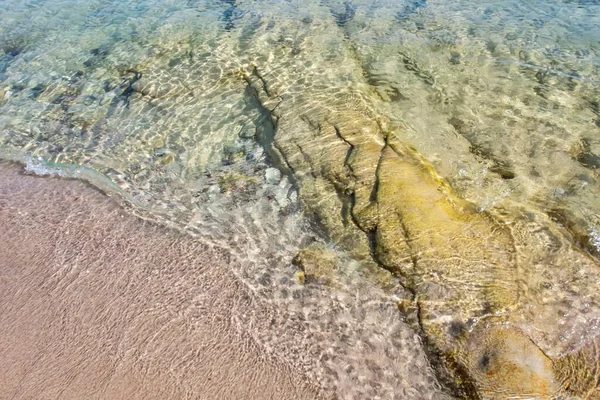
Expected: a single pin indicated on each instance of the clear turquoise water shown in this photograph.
(148, 99)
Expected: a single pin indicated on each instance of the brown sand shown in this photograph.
(95, 303)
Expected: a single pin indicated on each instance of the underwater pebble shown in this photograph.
(272, 175)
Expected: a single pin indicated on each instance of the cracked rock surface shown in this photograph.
(477, 277)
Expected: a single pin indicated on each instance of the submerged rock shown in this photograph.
(318, 264)
(272, 175)
(507, 363)
(504, 301)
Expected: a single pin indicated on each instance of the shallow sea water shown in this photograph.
(151, 101)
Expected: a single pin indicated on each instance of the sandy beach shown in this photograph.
(98, 304)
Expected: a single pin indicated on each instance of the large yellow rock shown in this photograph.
(506, 305)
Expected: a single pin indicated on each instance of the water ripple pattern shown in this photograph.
(192, 112)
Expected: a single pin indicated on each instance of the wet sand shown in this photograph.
(96, 303)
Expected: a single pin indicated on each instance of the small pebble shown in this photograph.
(272, 175)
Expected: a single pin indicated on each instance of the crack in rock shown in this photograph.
(490, 330)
